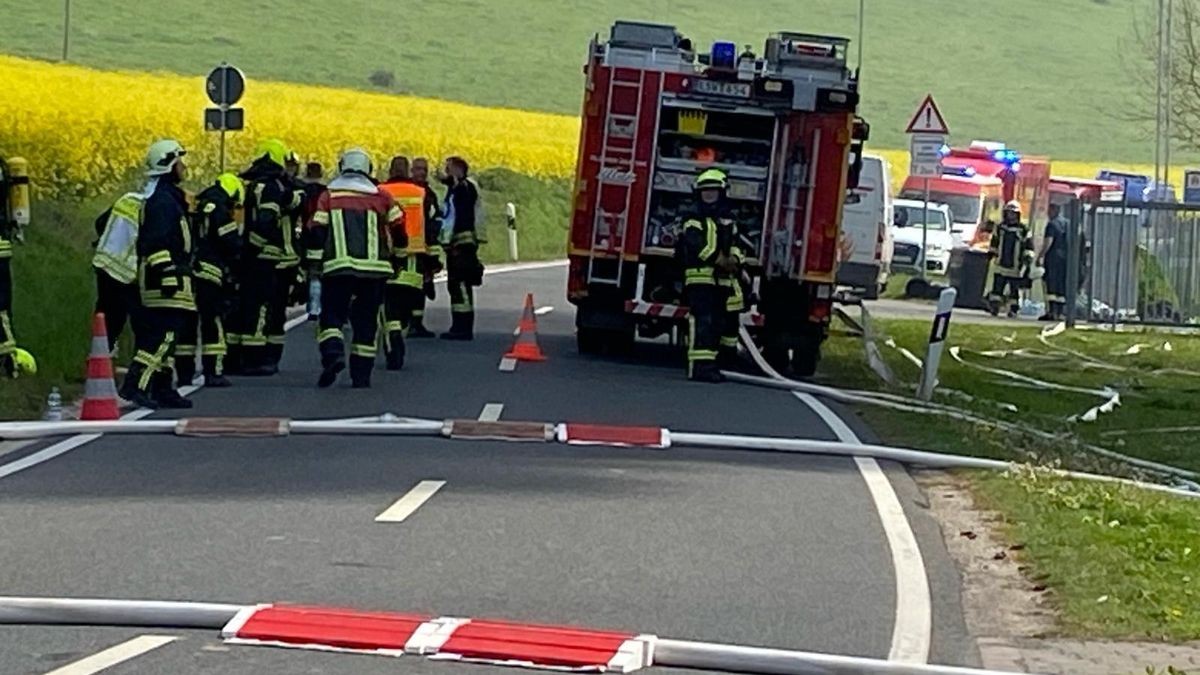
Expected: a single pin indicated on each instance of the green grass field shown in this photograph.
(1046, 77)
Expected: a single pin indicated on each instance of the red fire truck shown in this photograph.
(974, 201)
(655, 114)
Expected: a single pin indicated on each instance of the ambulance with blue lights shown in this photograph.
(657, 111)
(978, 180)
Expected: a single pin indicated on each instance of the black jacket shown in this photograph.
(164, 249)
(270, 199)
(218, 235)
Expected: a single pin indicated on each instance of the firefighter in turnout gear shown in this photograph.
(218, 237)
(351, 241)
(13, 361)
(256, 336)
(164, 255)
(116, 263)
(430, 261)
(460, 237)
(1011, 251)
(712, 263)
(405, 291)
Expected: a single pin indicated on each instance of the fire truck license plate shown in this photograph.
(713, 88)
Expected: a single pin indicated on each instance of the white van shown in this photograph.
(867, 229)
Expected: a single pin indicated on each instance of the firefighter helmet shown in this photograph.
(233, 186)
(1013, 205)
(713, 179)
(162, 157)
(356, 160)
(24, 362)
(273, 149)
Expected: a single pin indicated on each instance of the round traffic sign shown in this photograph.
(225, 85)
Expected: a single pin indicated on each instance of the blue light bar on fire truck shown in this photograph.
(724, 55)
(963, 171)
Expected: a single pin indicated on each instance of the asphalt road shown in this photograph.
(724, 546)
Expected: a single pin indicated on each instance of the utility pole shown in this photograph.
(66, 30)
(862, 8)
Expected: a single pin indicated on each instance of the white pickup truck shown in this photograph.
(908, 217)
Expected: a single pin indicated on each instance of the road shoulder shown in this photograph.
(1012, 618)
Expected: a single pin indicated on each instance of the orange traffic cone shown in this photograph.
(100, 392)
(526, 348)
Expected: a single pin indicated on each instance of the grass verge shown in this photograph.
(55, 287)
(1120, 562)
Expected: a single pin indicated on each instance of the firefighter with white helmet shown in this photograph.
(352, 241)
(164, 274)
(1011, 251)
(712, 261)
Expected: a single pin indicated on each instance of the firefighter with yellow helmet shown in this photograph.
(1011, 251)
(165, 284)
(14, 215)
(711, 260)
(256, 335)
(218, 236)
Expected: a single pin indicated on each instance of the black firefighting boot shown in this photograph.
(462, 326)
(255, 363)
(360, 371)
(706, 371)
(214, 375)
(417, 328)
(185, 369)
(333, 362)
(395, 351)
(130, 391)
(164, 393)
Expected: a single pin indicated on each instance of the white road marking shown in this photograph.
(913, 625)
(410, 502)
(114, 655)
(543, 310)
(491, 412)
(508, 365)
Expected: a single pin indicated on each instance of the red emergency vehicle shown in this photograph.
(968, 186)
(655, 114)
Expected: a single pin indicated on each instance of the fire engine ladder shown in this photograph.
(617, 155)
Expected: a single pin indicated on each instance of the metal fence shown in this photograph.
(1138, 263)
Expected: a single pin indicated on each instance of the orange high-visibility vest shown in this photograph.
(411, 199)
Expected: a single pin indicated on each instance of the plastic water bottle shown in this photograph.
(314, 298)
(54, 412)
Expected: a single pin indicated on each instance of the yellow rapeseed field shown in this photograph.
(85, 130)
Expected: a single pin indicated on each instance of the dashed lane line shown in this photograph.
(491, 412)
(114, 655)
(410, 502)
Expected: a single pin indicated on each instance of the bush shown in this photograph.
(384, 79)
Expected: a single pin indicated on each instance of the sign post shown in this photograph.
(928, 132)
(224, 86)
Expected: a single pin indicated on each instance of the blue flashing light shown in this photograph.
(724, 55)
(1009, 157)
(944, 150)
(969, 171)
(1014, 167)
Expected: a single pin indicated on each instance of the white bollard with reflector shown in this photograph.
(510, 214)
(937, 344)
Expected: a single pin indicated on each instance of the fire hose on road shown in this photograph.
(449, 638)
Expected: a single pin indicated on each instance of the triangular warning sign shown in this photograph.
(928, 119)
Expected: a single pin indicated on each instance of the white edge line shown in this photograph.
(508, 365)
(911, 632)
(114, 655)
(62, 447)
(410, 502)
(491, 412)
